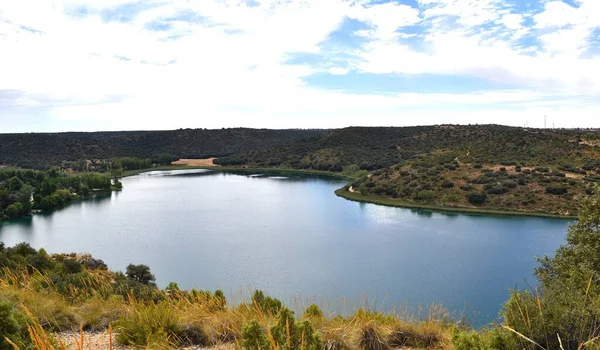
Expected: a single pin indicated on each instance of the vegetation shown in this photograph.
(22, 191)
(66, 150)
(475, 166)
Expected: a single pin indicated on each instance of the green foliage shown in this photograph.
(140, 273)
(266, 304)
(254, 337)
(314, 312)
(50, 190)
(568, 300)
(487, 339)
(165, 158)
(476, 198)
(291, 335)
(354, 171)
(557, 190)
(13, 325)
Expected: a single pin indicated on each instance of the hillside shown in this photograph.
(40, 150)
(480, 167)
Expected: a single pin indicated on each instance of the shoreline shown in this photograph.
(356, 197)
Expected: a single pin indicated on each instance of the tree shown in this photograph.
(165, 158)
(140, 273)
(567, 302)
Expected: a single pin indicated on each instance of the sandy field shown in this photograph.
(196, 162)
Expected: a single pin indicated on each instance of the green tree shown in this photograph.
(568, 300)
(165, 158)
(140, 273)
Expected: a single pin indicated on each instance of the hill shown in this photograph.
(478, 167)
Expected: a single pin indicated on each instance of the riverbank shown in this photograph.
(357, 197)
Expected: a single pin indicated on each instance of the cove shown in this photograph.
(294, 238)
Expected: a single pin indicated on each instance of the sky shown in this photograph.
(86, 65)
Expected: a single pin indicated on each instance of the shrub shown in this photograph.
(448, 184)
(557, 190)
(370, 339)
(497, 190)
(314, 312)
(521, 182)
(254, 337)
(410, 337)
(289, 334)
(268, 305)
(566, 301)
(488, 339)
(72, 266)
(150, 325)
(424, 196)
(466, 188)
(476, 198)
(13, 325)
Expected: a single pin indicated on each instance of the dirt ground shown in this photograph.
(196, 162)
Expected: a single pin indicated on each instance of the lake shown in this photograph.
(292, 237)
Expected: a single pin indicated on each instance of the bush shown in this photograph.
(314, 312)
(488, 339)
(150, 325)
(557, 190)
(566, 301)
(476, 198)
(448, 184)
(497, 190)
(289, 334)
(466, 188)
(13, 325)
(267, 305)
(254, 337)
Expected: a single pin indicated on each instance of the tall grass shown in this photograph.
(180, 318)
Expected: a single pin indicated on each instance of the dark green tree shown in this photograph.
(140, 273)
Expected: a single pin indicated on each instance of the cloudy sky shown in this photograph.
(122, 64)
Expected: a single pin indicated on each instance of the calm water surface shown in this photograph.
(291, 236)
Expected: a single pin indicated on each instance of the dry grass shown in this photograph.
(199, 321)
(195, 162)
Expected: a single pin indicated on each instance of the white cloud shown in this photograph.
(89, 73)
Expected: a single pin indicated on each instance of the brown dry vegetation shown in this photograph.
(195, 162)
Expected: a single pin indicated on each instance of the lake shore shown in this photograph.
(357, 197)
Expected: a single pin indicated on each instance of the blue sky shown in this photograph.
(123, 65)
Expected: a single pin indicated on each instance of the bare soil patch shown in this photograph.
(195, 162)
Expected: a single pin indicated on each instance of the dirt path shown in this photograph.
(196, 162)
(101, 341)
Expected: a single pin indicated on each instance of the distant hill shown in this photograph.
(40, 150)
(466, 166)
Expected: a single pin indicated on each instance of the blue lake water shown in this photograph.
(292, 237)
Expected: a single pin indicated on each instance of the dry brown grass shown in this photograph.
(195, 162)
